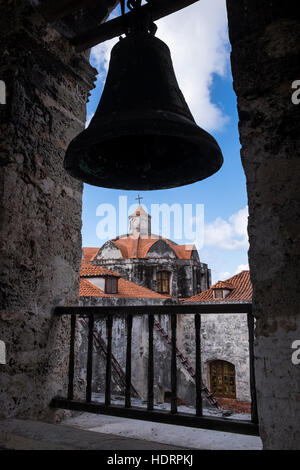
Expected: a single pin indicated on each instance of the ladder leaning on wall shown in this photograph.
(100, 345)
(186, 364)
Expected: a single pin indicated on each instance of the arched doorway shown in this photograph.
(222, 379)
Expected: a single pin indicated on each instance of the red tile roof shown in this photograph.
(130, 289)
(223, 285)
(137, 246)
(182, 251)
(241, 289)
(87, 289)
(90, 270)
(88, 253)
(126, 289)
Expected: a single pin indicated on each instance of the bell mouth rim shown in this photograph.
(160, 121)
(163, 124)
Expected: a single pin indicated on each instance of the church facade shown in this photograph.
(153, 261)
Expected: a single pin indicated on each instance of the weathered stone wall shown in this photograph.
(188, 277)
(162, 353)
(265, 62)
(223, 337)
(40, 241)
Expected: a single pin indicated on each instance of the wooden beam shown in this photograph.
(116, 27)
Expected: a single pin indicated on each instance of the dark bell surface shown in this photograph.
(143, 135)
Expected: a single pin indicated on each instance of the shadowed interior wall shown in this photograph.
(265, 61)
(40, 227)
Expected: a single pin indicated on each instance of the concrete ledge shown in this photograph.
(20, 434)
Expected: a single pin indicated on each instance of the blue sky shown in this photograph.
(198, 40)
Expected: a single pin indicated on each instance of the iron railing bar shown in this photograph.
(109, 324)
(161, 416)
(72, 358)
(198, 365)
(93, 312)
(173, 365)
(150, 364)
(254, 413)
(128, 362)
(89, 367)
(208, 308)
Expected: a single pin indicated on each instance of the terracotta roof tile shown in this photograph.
(182, 251)
(130, 289)
(138, 246)
(88, 253)
(241, 290)
(90, 270)
(126, 289)
(222, 285)
(87, 289)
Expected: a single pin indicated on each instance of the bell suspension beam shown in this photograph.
(117, 26)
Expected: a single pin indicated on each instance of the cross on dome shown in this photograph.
(139, 198)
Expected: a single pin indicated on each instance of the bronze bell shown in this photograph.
(143, 135)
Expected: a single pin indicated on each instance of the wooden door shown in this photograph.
(222, 379)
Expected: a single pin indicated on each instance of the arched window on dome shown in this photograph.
(163, 282)
(222, 379)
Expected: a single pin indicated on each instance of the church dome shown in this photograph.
(141, 243)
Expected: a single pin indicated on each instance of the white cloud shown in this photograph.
(88, 119)
(228, 235)
(222, 276)
(242, 267)
(198, 40)
(239, 222)
(100, 56)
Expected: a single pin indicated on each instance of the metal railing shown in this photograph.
(197, 420)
